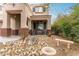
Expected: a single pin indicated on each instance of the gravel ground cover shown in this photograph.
(37, 42)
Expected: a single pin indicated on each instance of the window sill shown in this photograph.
(39, 12)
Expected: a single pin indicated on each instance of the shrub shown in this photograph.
(68, 28)
(68, 25)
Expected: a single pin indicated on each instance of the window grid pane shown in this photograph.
(39, 9)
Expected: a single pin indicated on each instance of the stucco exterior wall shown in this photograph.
(9, 8)
(28, 13)
(6, 17)
(17, 6)
(49, 24)
(41, 13)
(25, 11)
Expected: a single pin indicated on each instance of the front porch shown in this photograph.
(40, 24)
(39, 27)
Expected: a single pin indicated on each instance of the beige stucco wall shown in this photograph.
(6, 17)
(25, 10)
(49, 24)
(9, 8)
(5, 21)
(28, 13)
(17, 6)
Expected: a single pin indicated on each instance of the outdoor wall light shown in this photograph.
(13, 4)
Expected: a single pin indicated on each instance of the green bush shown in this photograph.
(75, 33)
(67, 28)
(68, 25)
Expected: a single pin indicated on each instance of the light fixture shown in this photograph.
(13, 4)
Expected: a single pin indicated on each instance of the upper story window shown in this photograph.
(39, 9)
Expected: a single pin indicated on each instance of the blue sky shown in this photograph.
(60, 8)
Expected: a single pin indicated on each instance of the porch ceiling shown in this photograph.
(40, 17)
(14, 11)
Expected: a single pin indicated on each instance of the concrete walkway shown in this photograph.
(11, 38)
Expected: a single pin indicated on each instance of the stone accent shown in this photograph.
(5, 31)
(30, 32)
(24, 31)
(48, 31)
(15, 32)
(44, 32)
(8, 32)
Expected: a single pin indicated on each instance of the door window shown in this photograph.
(40, 26)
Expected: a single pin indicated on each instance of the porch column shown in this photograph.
(30, 27)
(48, 25)
(5, 30)
(24, 28)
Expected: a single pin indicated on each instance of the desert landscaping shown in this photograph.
(32, 46)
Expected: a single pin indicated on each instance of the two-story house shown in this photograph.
(23, 18)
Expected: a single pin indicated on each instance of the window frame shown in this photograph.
(39, 9)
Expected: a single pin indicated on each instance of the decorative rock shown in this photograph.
(32, 40)
(48, 51)
(2, 50)
(21, 48)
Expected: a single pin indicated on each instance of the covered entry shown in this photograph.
(15, 21)
(14, 18)
(39, 27)
(40, 24)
